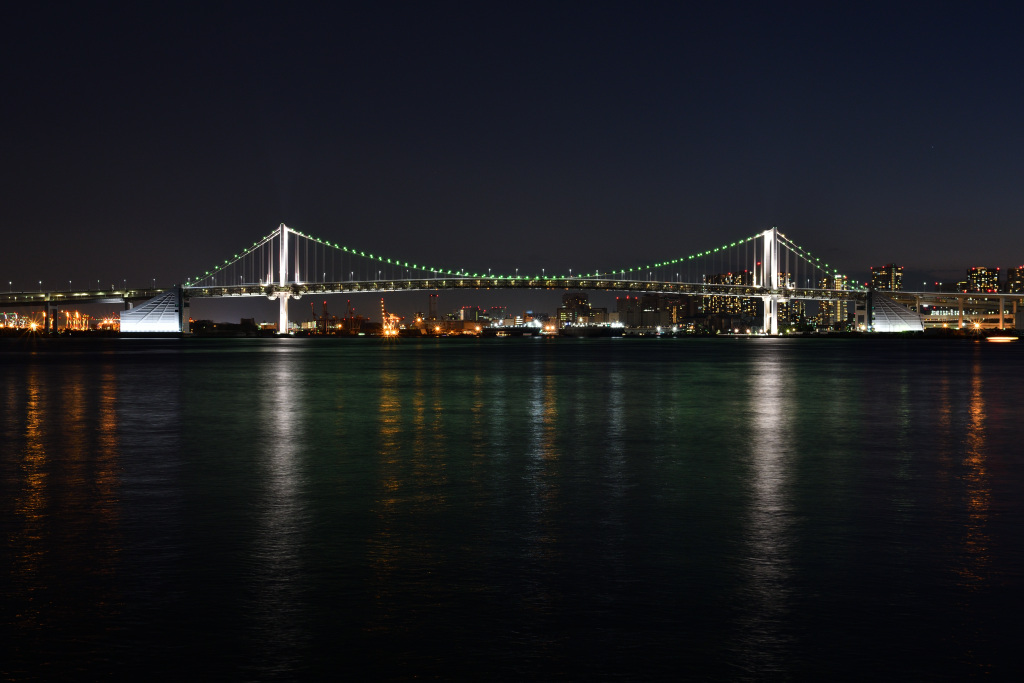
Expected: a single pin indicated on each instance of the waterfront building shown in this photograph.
(575, 308)
(627, 310)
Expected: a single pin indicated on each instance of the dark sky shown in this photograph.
(149, 141)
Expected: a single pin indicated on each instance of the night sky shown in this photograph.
(150, 141)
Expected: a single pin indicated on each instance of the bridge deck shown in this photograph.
(525, 283)
(96, 296)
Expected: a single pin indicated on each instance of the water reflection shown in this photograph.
(977, 544)
(281, 522)
(31, 502)
(768, 551)
(542, 488)
(64, 532)
(384, 552)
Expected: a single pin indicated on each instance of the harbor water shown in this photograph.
(508, 509)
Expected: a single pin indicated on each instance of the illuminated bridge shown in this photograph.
(287, 264)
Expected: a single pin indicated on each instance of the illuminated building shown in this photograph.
(628, 310)
(1015, 280)
(734, 305)
(575, 308)
(793, 312)
(888, 277)
(833, 313)
(982, 279)
(470, 313)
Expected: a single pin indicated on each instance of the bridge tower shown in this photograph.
(770, 280)
(283, 292)
(282, 326)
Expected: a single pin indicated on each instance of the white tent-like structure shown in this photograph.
(889, 316)
(162, 313)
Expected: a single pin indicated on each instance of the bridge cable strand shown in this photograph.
(211, 275)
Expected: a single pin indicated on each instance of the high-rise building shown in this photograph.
(888, 277)
(575, 308)
(737, 305)
(793, 312)
(1015, 280)
(832, 314)
(628, 310)
(982, 279)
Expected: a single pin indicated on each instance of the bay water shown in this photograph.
(509, 509)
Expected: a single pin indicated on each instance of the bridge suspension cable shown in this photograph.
(312, 259)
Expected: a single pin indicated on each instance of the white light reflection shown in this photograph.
(280, 523)
(769, 534)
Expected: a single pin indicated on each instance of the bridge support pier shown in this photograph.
(49, 319)
(770, 280)
(183, 312)
(770, 322)
(282, 324)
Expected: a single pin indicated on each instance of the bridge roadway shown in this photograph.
(56, 299)
(985, 310)
(524, 283)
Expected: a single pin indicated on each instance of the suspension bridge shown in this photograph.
(287, 264)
